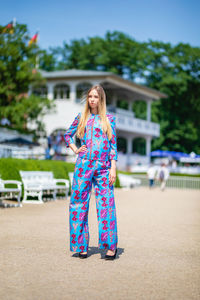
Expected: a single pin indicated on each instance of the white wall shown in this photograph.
(66, 111)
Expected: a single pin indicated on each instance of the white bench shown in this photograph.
(10, 193)
(39, 183)
(127, 181)
(71, 174)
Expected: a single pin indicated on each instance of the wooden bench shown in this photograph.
(39, 183)
(10, 193)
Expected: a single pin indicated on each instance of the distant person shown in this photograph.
(58, 145)
(162, 176)
(49, 140)
(58, 138)
(174, 165)
(5, 121)
(151, 174)
(47, 153)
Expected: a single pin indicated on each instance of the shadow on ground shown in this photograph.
(96, 250)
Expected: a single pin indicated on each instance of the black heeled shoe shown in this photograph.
(111, 257)
(82, 255)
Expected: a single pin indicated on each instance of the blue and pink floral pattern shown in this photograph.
(93, 167)
(98, 145)
(86, 173)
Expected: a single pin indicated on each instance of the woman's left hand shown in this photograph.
(112, 175)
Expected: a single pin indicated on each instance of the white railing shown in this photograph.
(21, 152)
(178, 182)
(185, 170)
(131, 160)
(124, 112)
(136, 125)
(143, 168)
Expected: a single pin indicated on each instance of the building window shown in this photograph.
(123, 104)
(81, 89)
(109, 96)
(122, 144)
(139, 146)
(40, 91)
(61, 91)
(140, 109)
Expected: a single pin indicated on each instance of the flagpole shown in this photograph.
(14, 22)
(37, 55)
(37, 62)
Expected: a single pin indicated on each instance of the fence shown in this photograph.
(21, 152)
(178, 182)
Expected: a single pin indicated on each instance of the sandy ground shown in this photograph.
(159, 250)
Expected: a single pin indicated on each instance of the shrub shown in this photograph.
(10, 167)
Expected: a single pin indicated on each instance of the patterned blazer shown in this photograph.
(96, 141)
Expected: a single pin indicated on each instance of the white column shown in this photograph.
(50, 91)
(114, 100)
(129, 151)
(72, 94)
(149, 110)
(130, 105)
(148, 146)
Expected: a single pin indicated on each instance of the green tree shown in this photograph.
(48, 60)
(117, 53)
(140, 109)
(174, 70)
(17, 73)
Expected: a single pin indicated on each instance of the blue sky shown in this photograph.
(171, 21)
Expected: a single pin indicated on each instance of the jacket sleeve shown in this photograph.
(113, 141)
(71, 131)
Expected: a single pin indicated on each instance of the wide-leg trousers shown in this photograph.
(86, 173)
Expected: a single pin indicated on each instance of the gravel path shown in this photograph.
(159, 250)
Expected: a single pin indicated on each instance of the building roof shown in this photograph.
(73, 73)
(109, 76)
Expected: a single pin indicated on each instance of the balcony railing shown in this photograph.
(132, 124)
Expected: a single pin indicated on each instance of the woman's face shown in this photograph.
(93, 99)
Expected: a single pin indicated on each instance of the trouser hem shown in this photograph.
(79, 250)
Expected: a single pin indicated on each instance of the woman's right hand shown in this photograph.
(82, 149)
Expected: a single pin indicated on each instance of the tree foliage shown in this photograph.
(17, 72)
(174, 70)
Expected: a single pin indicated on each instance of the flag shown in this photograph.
(33, 39)
(9, 28)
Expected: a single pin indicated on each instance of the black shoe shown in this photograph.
(82, 255)
(111, 257)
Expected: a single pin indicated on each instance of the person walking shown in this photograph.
(151, 174)
(162, 176)
(95, 164)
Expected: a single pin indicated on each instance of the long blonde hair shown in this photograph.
(106, 127)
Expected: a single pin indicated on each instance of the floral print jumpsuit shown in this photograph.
(93, 166)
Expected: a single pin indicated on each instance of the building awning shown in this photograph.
(183, 157)
(19, 141)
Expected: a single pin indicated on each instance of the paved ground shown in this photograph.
(159, 250)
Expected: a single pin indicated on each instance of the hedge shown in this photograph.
(10, 167)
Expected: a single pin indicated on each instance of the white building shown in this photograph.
(65, 89)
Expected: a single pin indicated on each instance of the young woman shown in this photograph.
(96, 163)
